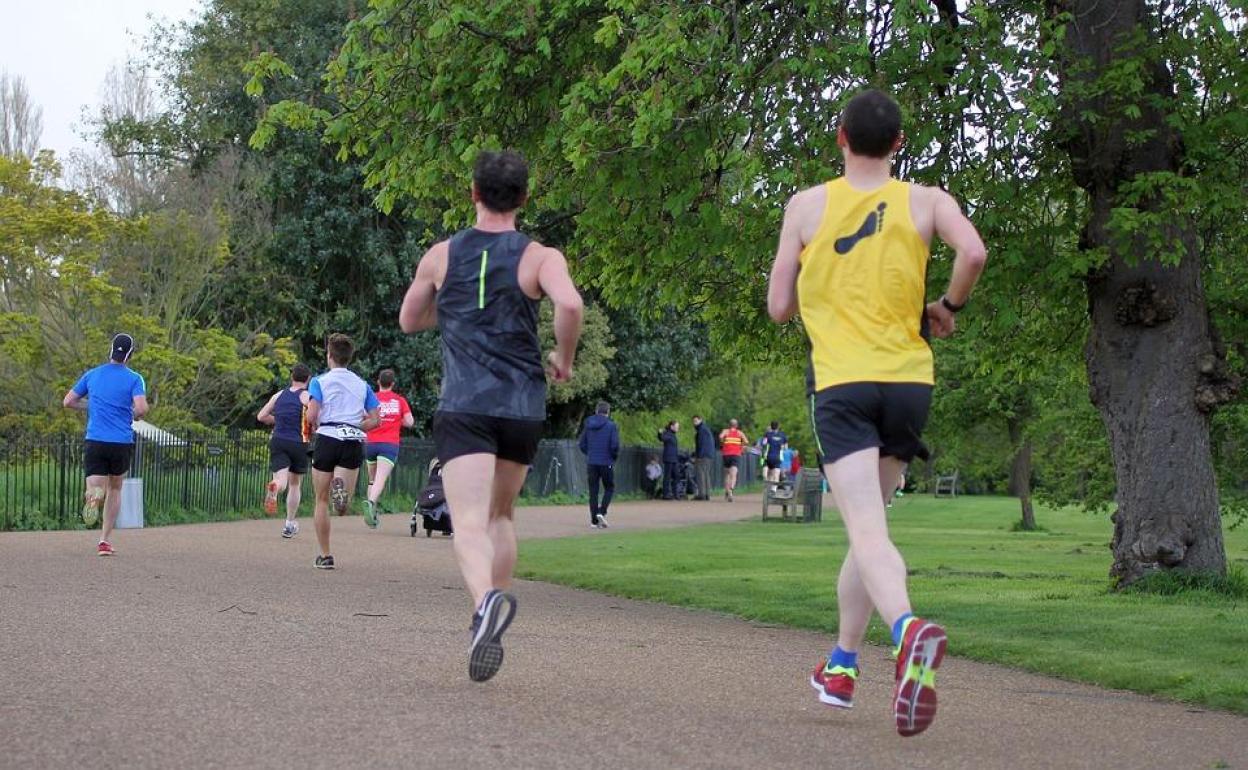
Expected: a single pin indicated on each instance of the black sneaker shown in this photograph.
(325, 562)
(485, 654)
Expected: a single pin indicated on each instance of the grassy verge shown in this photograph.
(1038, 601)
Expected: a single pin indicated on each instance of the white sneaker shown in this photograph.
(602, 521)
(290, 530)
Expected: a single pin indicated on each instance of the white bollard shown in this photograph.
(131, 514)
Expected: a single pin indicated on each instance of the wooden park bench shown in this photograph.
(947, 485)
(804, 492)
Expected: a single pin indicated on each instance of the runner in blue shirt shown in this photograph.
(113, 396)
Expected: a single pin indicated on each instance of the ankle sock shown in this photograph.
(899, 628)
(839, 657)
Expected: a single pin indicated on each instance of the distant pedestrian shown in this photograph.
(600, 443)
(703, 456)
(113, 396)
(734, 443)
(774, 443)
(287, 412)
(381, 450)
(671, 459)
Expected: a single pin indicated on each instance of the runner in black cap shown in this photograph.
(113, 396)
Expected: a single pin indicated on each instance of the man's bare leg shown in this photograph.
(508, 481)
(853, 602)
(93, 503)
(112, 506)
(274, 489)
(320, 510)
(857, 490)
(294, 495)
(469, 485)
(378, 474)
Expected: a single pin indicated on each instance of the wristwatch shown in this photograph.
(952, 308)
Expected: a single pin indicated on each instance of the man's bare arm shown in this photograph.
(372, 419)
(74, 401)
(556, 283)
(955, 229)
(782, 289)
(265, 415)
(420, 307)
(139, 406)
(314, 414)
(952, 226)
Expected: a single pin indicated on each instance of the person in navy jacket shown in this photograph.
(600, 443)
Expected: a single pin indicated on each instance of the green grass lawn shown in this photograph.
(1039, 601)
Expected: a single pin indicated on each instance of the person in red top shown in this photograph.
(382, 451)
(796, 466)
(734, 443)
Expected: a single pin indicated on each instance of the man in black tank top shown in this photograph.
(482, 289)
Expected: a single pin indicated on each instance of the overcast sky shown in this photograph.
(64, 48)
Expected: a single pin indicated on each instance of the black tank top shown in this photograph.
(491, 357)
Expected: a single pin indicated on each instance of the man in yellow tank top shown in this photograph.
(852, 260)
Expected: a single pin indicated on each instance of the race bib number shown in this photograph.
(350, 433)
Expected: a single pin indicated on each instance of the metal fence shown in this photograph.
(222, 476)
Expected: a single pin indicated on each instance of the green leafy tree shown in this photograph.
(675, 131)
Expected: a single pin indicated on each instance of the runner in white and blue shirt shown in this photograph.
(342, 408)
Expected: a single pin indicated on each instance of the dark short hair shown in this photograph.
(670, 423)
(385, 378)
(872, 123)
(603, 408)
(300, 373)
(775, 425)
(341, 349)
(502, 180)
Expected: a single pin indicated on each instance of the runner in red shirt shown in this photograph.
(382, 451)
(734, 443)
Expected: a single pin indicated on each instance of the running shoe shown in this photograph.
(324, 562)
(602, 521)
(370, 514)
(835, 685)
(270, 498)
(485, 654)
(290, 530)
(104, 549)
(93, 501)
(338, 494)
(919, 655)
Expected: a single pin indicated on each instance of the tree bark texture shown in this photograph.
(1020, 472)
(1154, 368)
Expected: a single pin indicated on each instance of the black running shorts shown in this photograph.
(860, 415)
(732, 461)
(330, 453)
(456, 434)
(288, 455)
(106, 458)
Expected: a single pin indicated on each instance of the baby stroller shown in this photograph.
(685, 484)
(431, 506)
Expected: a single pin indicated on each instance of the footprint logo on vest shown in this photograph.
(870, 226)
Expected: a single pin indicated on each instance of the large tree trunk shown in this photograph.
(1020, 472)
(1153, 366)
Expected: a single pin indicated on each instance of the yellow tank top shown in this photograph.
(861, 289)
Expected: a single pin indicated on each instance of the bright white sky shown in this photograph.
(64, 48)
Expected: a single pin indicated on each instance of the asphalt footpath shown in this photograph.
(219, 646)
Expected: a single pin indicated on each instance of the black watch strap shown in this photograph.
(952, 308)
